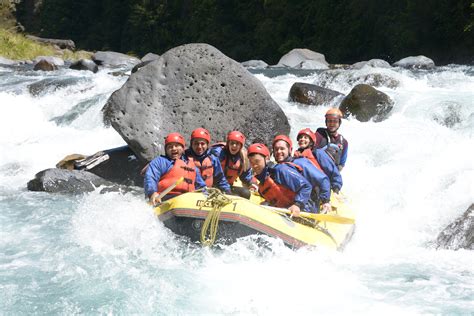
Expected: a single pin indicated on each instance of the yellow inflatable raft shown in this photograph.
(220, 218)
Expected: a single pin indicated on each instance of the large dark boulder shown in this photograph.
(114, 59)
(67, 181)
(365, 103)
(119, 165)
(192, 86)
(85, 64)
(460, 233)
(306, 93)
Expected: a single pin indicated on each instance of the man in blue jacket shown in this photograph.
(330, 135)
(165, 171)
(208, 164)
(320, 183)
(281, 185)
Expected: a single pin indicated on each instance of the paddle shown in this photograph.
(168, 189)
(318, 217)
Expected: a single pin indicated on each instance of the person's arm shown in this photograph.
(219, 178)
(324, 185)
(247, 178)
(329, 168)
(345, 149)
(294, 181)
(199, 183)
(152, 177)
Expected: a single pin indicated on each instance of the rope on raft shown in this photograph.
(211, 223)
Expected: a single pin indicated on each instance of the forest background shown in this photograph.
(346, 31)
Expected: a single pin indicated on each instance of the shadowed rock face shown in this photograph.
(191, 86)
(365, 103)
(66, 181)
(460, 233)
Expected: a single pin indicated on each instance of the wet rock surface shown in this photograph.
(460, 233)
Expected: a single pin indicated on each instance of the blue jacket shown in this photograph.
(316, 177)
(289, 177)
(329, 168)
(221, 153)
(160, 166)
(323, 137)
(219, 179)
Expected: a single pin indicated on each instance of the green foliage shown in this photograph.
(17, 47)
(343, 30)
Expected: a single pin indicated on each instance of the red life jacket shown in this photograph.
(308, 154)
(207, 170)
(179, 169)
(276, 194)
(232, 170)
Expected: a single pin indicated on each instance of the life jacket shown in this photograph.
(179, 169)
(207, 170)
(276, 194)
(232, 170)
(329, 139)
(308, 154)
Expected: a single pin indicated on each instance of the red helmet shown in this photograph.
(174, 138)
(334, 112)
(236, 136)
(283, 138)
(201, 133)
(258, 149)
(308, 133)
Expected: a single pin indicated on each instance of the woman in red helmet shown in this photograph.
(281, 185)
(234, 162)
(164, 171)
(208, 164)
(329, 135)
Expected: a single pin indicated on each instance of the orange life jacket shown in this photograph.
(207, 170)
(179, 169)
(308, 154)
(232, 170)
(276, 194)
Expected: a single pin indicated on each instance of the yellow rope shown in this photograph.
(211, 223)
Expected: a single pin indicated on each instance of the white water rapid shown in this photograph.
(407, 178)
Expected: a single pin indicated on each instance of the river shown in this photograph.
(407, 178)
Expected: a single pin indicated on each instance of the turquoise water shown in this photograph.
(108, 254)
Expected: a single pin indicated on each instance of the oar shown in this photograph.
(318, 217)
(168, 189)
